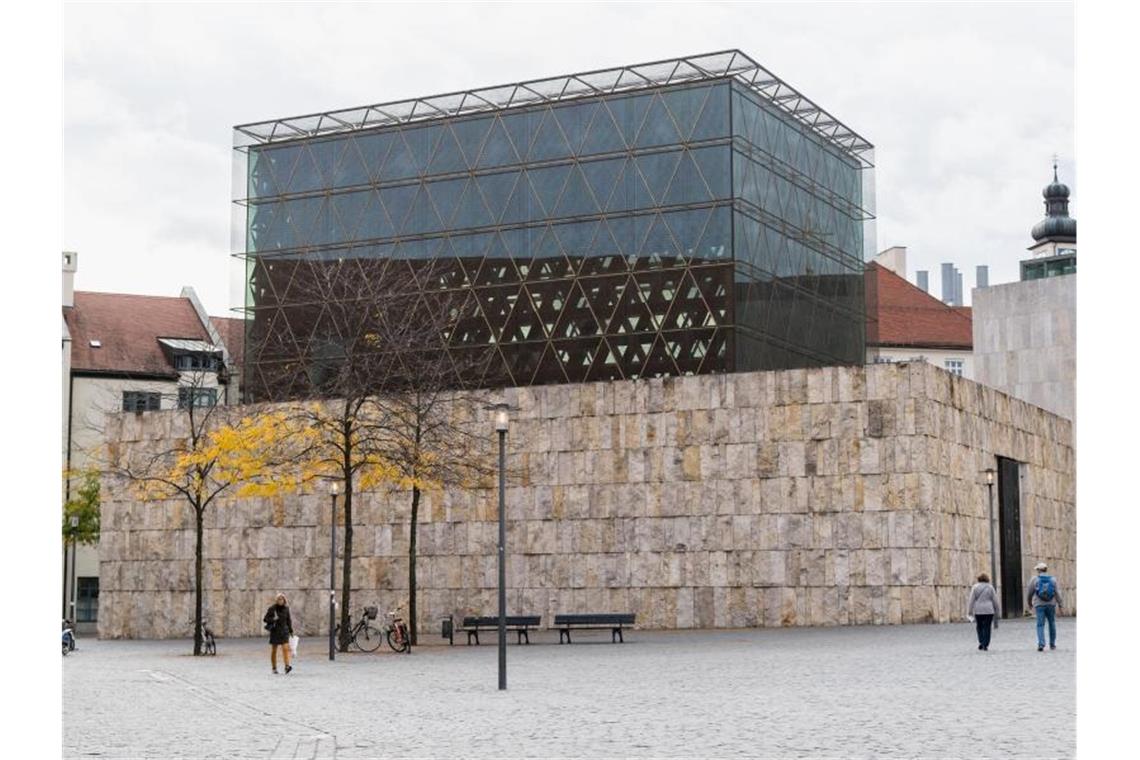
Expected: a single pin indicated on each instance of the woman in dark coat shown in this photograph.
(280, 626)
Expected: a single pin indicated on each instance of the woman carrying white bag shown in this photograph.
(279, 623)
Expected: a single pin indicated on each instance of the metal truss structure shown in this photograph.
(687, 216)
(726, 63)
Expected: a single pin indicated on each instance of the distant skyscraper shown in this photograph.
(948, 281)
(923, 280)
(982, 276)
(958, 299)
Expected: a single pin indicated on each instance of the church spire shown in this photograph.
(1057, 225)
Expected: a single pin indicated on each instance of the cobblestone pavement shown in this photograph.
(888, 691)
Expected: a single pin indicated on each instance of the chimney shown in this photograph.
(923, 276)
(982, 276)
(70, 263)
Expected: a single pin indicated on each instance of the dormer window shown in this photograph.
(190, 355)
(195, 361)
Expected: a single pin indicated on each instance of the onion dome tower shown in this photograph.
(1054, 246)
(1057, 226)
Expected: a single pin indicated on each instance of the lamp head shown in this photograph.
(990, 476)
(502, 418)
(74, 522)
(334, 489)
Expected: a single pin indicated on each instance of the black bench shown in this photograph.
(520, 624)
(614, 621)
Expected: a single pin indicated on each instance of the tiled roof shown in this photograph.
(232, 331)
(902, 314)
(127, 328)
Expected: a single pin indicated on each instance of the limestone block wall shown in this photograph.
(829, 496)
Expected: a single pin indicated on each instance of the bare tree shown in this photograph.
(430, 441)
(363, 343)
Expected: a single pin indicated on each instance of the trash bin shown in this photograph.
(448, 631)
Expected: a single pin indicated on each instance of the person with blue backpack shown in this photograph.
(1045, 599)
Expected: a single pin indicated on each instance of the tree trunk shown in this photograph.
(346, 579)
(412, 565)
(198, 582)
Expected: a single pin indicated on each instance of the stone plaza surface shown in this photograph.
(849, 692)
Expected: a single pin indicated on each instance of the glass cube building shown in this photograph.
(694, 215)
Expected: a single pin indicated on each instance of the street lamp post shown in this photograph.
(332, 572)
(74, 527)
(501, 422)
(990, 473)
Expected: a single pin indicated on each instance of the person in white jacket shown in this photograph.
(982, 608)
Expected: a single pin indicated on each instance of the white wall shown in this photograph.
(894, 259)
(1025, 341)
(936, 357)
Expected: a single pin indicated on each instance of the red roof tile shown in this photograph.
(902, 314)
(128, 328)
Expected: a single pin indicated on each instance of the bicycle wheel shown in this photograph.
(368, 639)
(397, 639)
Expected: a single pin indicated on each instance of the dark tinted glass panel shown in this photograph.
(573, 241)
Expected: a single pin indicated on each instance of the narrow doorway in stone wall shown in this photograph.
(1009, 534)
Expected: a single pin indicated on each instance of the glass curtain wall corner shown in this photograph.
(800, 213)
(673, 230)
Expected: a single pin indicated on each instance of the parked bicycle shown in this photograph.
(209, 643)
(396, 632)
(368, 637)
(68, 637)
(364, 635)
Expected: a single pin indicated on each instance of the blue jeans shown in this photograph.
(1046, 612)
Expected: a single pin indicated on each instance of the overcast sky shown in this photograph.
(965, 104)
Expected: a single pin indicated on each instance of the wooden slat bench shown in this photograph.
(612, 621)
(520, 624)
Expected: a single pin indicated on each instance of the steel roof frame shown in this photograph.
(719, 65)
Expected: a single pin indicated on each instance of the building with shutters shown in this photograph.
(690, 216)
(130, 353)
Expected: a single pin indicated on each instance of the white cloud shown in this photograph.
(964, 102)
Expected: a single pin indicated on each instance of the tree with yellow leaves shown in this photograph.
(239, 450)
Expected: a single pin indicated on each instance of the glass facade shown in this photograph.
(799, 213)
(663, 230)
(1053, 266)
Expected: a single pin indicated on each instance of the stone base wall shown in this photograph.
(830, 496)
